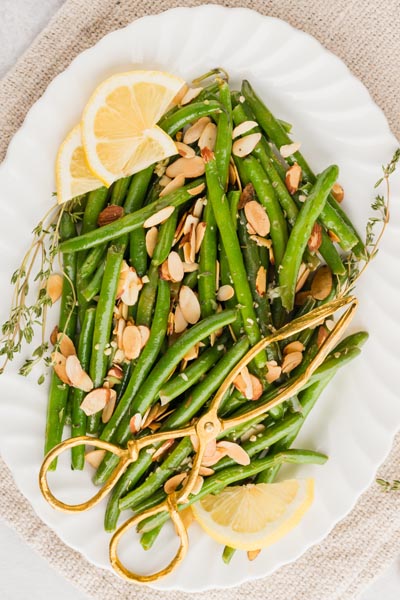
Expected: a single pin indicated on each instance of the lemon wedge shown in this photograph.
(253, 516)
(73, 176)
(119, 130)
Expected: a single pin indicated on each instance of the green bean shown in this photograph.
(119, 189)
(234, 257)
(78, 425)
(207, 265)
(190, 279)
(103, 323)
(234, 199)
(226, 279)
(216, 483)
(93, 287)
(223, 142)
(158, 477)
(175, 386)
(353, 340)
(187, 114)
(91, 262)
(300, 234)
(150, 501)
(267, 197)
(147, 539)
(129, 222)
(134, 200)
(59, 391)
(95, 204)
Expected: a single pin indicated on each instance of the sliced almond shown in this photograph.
(59, 364)
(179, 229)
(333, 236)
(302, 297)
(293, 347)
(293, 178)
(144, 334)
(261, 281)
(177, 99)
(185, 150)
(175, 267)
(257, 217)
(197, 210)
(119, 357)
(164, 180)
(322, 283)
(115, 373)
(273, 371)
(189, 305)
(235, 452)
(261, 241)
(257, 387)
(197, 485)
(289, 149)
(193, 133)
(95, 401)
(322, 334)
(252, 554)
(200, 232)
(315, 240)
(291, 361)
(151, 240)
(302, 276)
(195, 191)
(192, 353)
(133, 285)
(174, 482)
(162, 449)
(121, 324)
(180, 323)
(225, 292)
(245, 145)
(135, 423)
(175, 183)
(209, 461)
(250, 229)
(95, 458)
(337, 192)
(53, 335)
(243, 128)
(65, 344)
(248, 385)
(206, 471)
(54, 287)
(190, 267)
(189, 222)
(159, 217)
(232, 174)
(248, 194)
(186, 167)
(131, 342)
(190, 95)
(77, 375)
(108, 410)
(124, 310)
(217, 273)
(208, 137)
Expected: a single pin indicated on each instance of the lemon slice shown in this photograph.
(73, 176)
(253, 516)
(119, 129)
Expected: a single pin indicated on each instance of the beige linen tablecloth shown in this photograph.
(366, 35)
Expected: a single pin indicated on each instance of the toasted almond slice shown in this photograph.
(290, 361)
(151, 240)
(210, 448)
(95, 457)
(180, 323)
(119, 357)
(175, 183)
(243, 128)
(333, 236)
(164, 180)
(164, 271)
(217, 286)
(337, 192)
(321, 285)
(190, 95)
(198, 484)
(159, 217)
(177, 99)
(174, 482)
(192, 353)
(293, 178)
(189, 305)
(289, 149)
(190, 267)
(132, 286)
(247, 194)
(179, 229)
(59, 364)
(206, 471)
(175, 267)
(208, 137)
(192, 242)
(187, 252)
(235, 452)
(257, 217)
(302, 297)
(257, 387)
(315, 239)
(124, 310)
(65, 344)
(135, 423)
(193, 133)
(121, 324)
(186, 167)
(232, 174)
(195, 191)
(197, 209)
(95, 401)
(302, 276)
(53, 335)
(185, 150)
(151, 414)
(115, 372)
(54, 287)
(273, 371)
(322, 334)
(242, 382)
(245, 145)
(293, 347)
(252, 554)
(261, 241)
(200, 232)
(189, 222)
(209, 461)
(144, 334)
(225, 292)
(261, 281)
(162, 449)
(77, 375)
(131, 342)
(108, 410)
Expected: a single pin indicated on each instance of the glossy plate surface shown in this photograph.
(336, 121)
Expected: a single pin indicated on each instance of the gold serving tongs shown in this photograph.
(206, 428)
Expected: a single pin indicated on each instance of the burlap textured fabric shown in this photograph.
(366, 35)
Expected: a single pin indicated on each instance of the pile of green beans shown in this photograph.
(246, 285)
